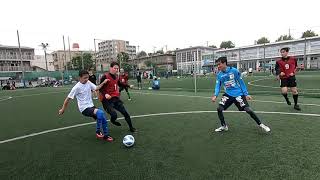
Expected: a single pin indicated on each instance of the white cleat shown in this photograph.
(222, 128)
(265, 128)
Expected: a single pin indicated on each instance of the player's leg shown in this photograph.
(243, 105)
(101, 117)
(118, 105)
(284, 92)
(225, 102)
(127, 90)
(295, 93)
(108, 107)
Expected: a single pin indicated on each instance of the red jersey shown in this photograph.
(111, 87)
(124, 79)
(287, 66)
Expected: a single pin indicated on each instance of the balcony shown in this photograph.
(14, 68)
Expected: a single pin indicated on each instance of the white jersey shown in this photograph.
(83, 94)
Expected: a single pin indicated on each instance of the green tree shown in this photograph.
(284, 38)
(263, 40)
(213, 46)
(141, 54)
(76, 62)
(308, 33)
(227, 44)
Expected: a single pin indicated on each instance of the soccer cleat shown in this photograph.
(297, 107)
(108, 138)
(265, 128)
(289, 103)
(222, 128)
(129, 99)
(116, 123)
(132, 129)
(99, 135)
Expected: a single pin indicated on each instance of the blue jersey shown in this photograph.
(156, 83)
(232, 82)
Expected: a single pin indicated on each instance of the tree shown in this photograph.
(123, 60)
(141, 54)
(213, 46)
(263, 40)
(227, 44)
(148, 63)
(308, 33)
(284, 38)
(76, 62)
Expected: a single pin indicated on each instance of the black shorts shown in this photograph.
(89, 112)
(240, 101)
(122, 87)
(112, 104)
(288, 82)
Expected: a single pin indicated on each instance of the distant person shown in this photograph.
(139, 80)
(250, 71)
(155, 84)
(286, 68)
(83, 92)
(30, 84)
(93, 79)
(124, 85)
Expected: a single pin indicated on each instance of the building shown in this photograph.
(263, 56)
(164, 62)
(10, 59)
(40, 62)
(60, 61)
(191, 59)
(109, 50)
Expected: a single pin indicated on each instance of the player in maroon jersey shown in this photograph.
(110, 96)
(124, 85)
(285, 70)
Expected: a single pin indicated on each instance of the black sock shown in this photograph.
(221, 117)
(295, 98)
(285, 97)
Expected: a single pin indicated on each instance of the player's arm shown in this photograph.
(217, 89)
(97, 88)
(241, 83)
(101, 81)
(278, 71)
(64, 106)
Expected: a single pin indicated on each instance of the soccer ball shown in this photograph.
(149, 88)
(128, 140)
(131, 86)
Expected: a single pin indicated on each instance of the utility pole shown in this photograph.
(20, 54)
(44, 47)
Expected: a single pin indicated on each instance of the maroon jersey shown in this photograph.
(124, 79)
(111, 87)
(287, 66)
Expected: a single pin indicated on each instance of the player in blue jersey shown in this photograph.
(235, 93)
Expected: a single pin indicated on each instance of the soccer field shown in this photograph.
(175, 138)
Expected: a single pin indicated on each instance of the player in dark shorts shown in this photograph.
(285, 70)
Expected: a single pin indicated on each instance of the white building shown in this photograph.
(39, 61)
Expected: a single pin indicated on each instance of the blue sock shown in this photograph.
(98, 125)
(103, 120)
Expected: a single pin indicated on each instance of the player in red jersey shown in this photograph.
(124, 85)
(285, 70)
(110, 96)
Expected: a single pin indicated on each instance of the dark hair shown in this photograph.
(285, 49)
(114, 63)
(83, 72)
(222, 59)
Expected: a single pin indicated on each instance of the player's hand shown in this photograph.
(278, 77)
(282, 74)
(291, 74)
(248, 97)
(214, 98)
(61, 111)
(105, 81)
(107, 96)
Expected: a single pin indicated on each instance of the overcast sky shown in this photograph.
(154, 23)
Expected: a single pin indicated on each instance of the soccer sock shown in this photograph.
(221, 117)
(253, 115)
(98, 125)
(295, 98)
(285, 97)
(102, 118)
(128, 94)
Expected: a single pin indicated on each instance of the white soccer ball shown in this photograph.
(149, 88)
(128, 140)
(131, 86)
